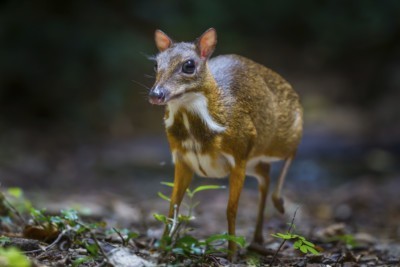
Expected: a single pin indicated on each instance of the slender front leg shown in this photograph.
(236, 181)
(183, 177)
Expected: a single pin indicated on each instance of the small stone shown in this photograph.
(331, 230)
(364, 238)
(368, 258)
(123, 257)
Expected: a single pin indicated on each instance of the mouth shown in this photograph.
(164, 100)
(176, 96)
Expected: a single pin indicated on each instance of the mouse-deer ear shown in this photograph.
(162, 40)
(206, 43)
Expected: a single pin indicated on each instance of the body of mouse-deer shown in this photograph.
(225, 116)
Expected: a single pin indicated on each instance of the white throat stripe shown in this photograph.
(195, 103)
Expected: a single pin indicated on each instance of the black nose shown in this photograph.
(157, 95)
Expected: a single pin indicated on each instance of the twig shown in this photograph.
(95, 240)
(51, 245)
(11, 207)
(174, 221)
(284, 240)
(120, 235)
(98, 245)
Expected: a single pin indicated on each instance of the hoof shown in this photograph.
(259, 240)
(278, 203)
(260, 249)
(231, 257)
(255, 246)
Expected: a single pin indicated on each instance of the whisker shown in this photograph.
(141, 84)
(149, 57)
(145, 94)
(149, 76)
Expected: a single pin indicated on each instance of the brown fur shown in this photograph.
(252, 111)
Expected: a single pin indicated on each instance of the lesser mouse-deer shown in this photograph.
(225, 116)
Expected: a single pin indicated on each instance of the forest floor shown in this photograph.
(354, 224)
(96, 210)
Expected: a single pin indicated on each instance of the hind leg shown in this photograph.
(277, 194)
(262, 171)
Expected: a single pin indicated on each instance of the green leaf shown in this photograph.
(165, 243)
(188, 244)
(79, 261)
(168, 184)
(312, 250)
(15, 192)
(297, 244)
(303, 249)
(308, 243)
(286, 236)
(207, 187)
(185, 218)
(38, 215)
(93, 249)
(240, 240)
(299, 237)
(56, 219)
(161, 195)
(71, 215)
(189, 193)
(131, 235)
(160, 217)
(13, 257)
(347, 239)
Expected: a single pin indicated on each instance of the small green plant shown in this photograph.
(125, 235)
(39, 225)
(68, 224)
(347, 239)
(18, 214)
(179, 242)
(12, 205)
(178, 225)
(299, 242)
(12, 256)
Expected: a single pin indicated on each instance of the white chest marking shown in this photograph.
(186, 122)
(195, 103)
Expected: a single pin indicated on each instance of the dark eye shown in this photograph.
(189, 67)
(155, 67)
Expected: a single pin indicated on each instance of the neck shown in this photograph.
(199, 104)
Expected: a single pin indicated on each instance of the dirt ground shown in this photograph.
(350, 213)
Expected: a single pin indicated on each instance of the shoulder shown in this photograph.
(225, 61)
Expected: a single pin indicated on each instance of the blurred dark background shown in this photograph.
(73, 105)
